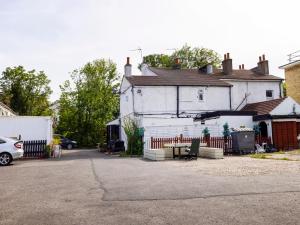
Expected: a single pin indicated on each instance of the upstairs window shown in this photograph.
(200, 95)
(269, 94)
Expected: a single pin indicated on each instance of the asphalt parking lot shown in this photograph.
(88, 187)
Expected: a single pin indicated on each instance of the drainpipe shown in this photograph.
(280, 89)
(177, 101)
(230, 105)
(132, 92)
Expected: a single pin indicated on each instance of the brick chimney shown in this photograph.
(263, 65)
(177, 64)
(128, 68)
(227, 64)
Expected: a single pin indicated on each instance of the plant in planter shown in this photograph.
(134, 137)
(226, 134)
(206, 135)
(55, 147)
(226, 131)
(47, 152)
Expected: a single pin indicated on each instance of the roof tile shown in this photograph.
(263, 108)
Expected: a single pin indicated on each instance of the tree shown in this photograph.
(284, 89)
(190, 58)
(89, 101)
(25, 92)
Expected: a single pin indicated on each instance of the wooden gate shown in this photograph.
(285, 135)
(34, 149)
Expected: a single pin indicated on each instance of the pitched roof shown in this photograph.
(263, 108)
(242, 74)
(173, 78)
(192, 77)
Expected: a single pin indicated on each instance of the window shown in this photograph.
(200, 95)
(1, 141)
(269, 94)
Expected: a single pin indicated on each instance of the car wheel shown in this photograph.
(69, 146)
(5, 159)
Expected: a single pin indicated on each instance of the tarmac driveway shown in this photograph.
(87, 187)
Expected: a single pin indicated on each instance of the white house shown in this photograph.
(166, 101)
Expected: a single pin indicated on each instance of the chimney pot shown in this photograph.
(227, 64)
(127, 67)
(240, 67)
(263, 65)
(243, 66)
(177, 64)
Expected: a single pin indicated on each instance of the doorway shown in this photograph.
(263, 129)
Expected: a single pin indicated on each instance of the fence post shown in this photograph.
(180, 138)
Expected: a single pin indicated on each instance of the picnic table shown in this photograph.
(177, 145)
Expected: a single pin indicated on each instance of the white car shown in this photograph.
(10, 149)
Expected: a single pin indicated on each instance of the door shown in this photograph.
(285, 135)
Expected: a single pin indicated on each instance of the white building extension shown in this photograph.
(166, 101)
(27, 128)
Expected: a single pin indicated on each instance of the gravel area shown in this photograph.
(240, 166)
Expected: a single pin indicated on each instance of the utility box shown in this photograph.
(243, 141)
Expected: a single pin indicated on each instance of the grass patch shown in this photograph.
(279, 152)
(259, 156)
(295, 152)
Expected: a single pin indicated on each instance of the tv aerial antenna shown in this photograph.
(138, 49)
(294, 56)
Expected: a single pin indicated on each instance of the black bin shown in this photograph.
(243, 142)
(116, 146)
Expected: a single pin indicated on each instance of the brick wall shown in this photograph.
(292, 76)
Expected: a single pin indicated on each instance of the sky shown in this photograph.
(59, 36)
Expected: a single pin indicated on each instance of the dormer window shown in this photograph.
(269, 94)
(200, 95)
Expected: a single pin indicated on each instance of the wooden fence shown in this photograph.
(34, 149)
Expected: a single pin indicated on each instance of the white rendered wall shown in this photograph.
(286, 107)
(233, 122)
(256, 91)
(214, 98)
(29, 127)
(126, 100)
(155, 99)
(163, 99)
(172, 127)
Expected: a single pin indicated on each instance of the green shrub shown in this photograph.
(135, 144)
